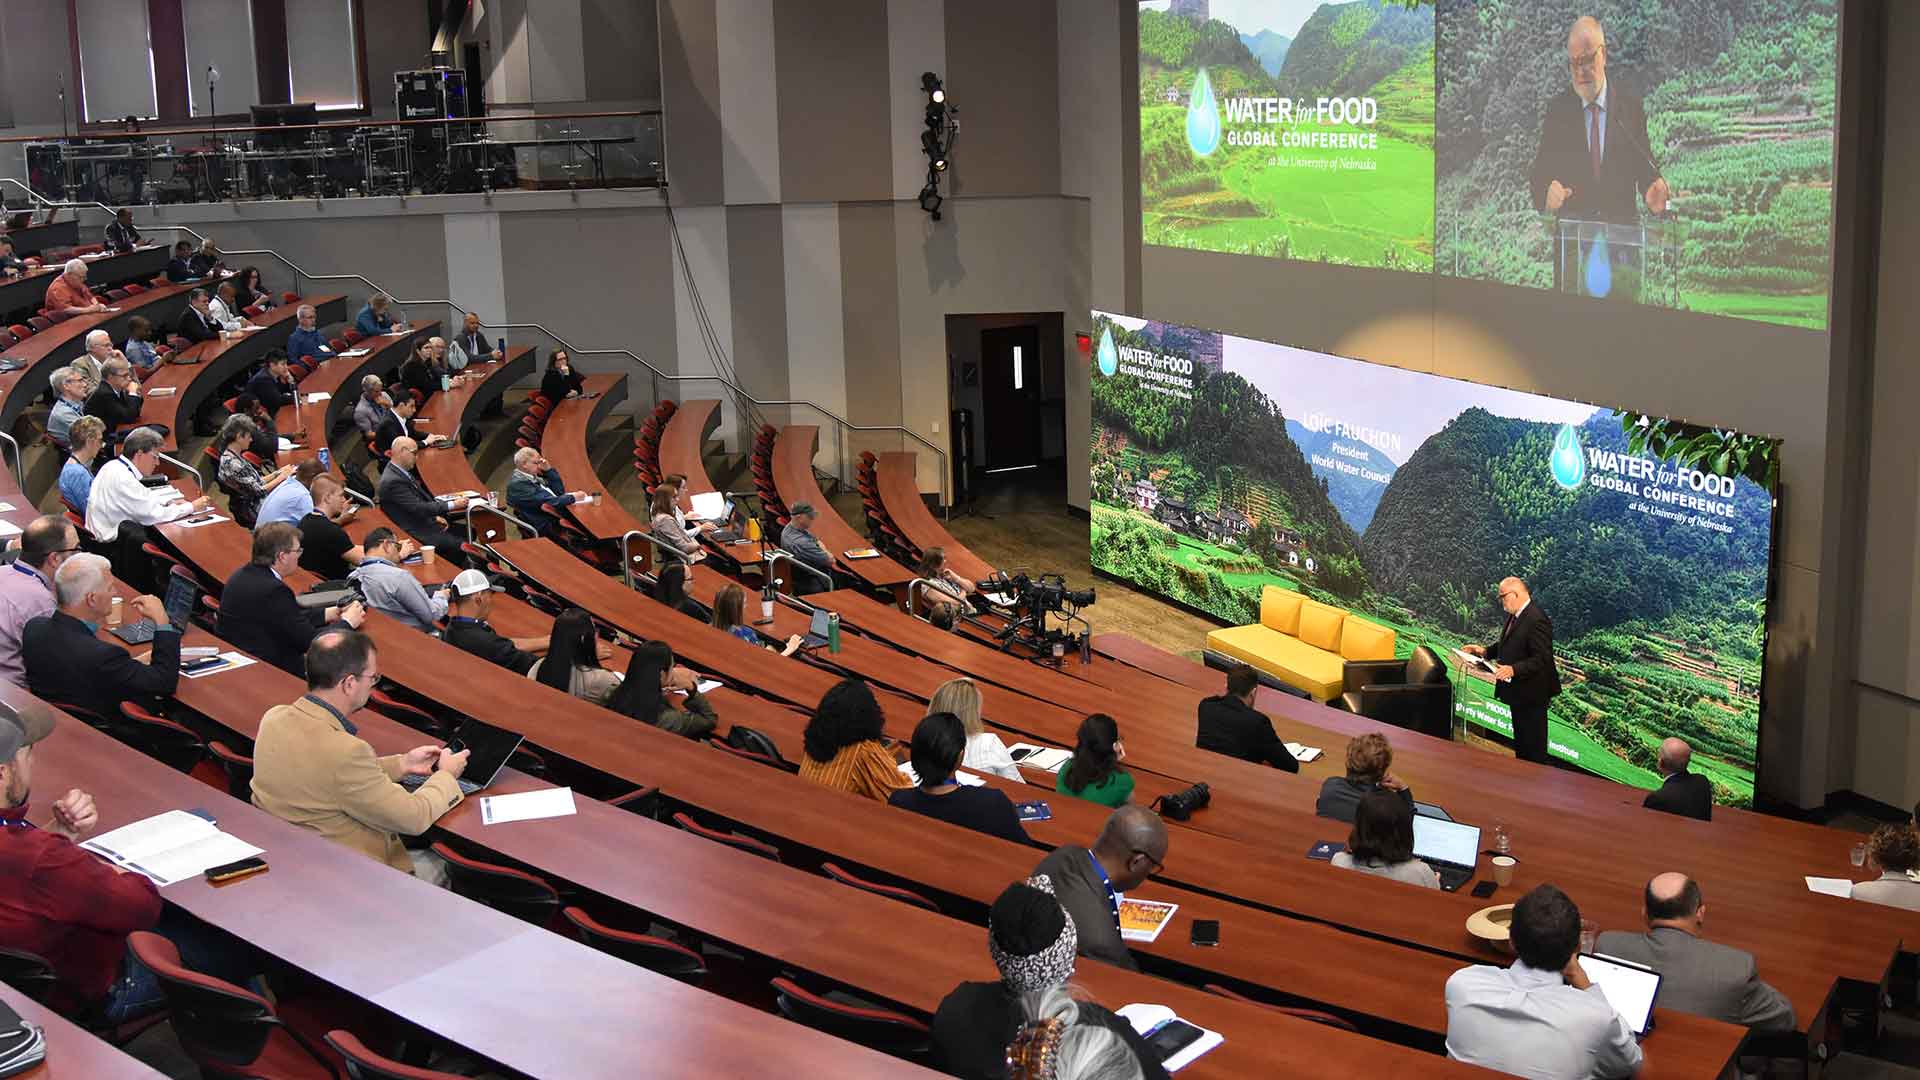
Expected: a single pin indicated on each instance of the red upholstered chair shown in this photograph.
(158, 737)
(135, 288)
(1312, 1015)
(352, 336)
(338, 344)
(517, 893)
(653, 953)
(891, 892)
(238, 767)
(21, 331)
(289, 297)
(86, 249)
(225, 1029)
(839, 1014)
(39, 322)
(395, 709)
(364, 1064)
(732, 839)
(747, 755)
(643, 801)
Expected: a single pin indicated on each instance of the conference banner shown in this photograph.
(1223, 464)
(1289, 128)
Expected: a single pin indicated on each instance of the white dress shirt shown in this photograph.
(226, 320)
(118, 496)
(1531, 1023)
(986, 753)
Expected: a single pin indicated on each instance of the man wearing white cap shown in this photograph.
(468, 628)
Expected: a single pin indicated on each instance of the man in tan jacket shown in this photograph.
(311, 769)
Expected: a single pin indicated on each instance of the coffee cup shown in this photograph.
(1503, 870)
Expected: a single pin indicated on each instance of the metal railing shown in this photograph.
(19, 468)
(493, 508)
(840, 425)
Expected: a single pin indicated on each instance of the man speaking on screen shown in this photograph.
(1525, 678)
(1593, 162)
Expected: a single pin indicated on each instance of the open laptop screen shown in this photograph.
(1630, 988)
(1446, 841)
(818, 627)
(710, 505)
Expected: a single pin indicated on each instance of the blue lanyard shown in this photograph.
(29, 572)
(1113, 898)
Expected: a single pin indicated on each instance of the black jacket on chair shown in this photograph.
(1684, 793)
(66, 663)
(259, 615)
(1233, 727)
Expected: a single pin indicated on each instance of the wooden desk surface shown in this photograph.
(793, 451)
(212, 363)
(897, 476)
(573, 422)
(339, 377)
(61, 342)
(527, 998)
(682, 442)
(73, 1053)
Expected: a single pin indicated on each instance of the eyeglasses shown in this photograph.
(1158, 865)
(1586, 60)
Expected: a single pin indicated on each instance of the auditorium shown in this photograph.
(1030, 539)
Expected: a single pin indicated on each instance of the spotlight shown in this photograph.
(930, 85)
(937, 140)
(930, 199)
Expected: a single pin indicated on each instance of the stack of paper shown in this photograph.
(527, 806)
(1831, 886)
(170, 847)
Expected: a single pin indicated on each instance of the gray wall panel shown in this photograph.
(870, 310)
(622, 40)
(756, 260)
(834, 101)
(690, 89)
(1003, 70)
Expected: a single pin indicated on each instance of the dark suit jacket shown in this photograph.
(195, 327)
(269, 391)
(259, 615)
(179, 270)
(1703, 977)
(112, 407)
(408, 502)
(1340, 798)
(1684, 793)
(528, 497)
(418, 375)
(1231, 726)
(391, 427)
(556, 386)
(66, 663)
(483, 641)
(1625, 171)
(1528, 647)
(1080, 890)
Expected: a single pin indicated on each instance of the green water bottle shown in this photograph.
(833, 632)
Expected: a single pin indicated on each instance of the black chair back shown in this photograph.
(502, 888)
(28, 973)
(1425, 666)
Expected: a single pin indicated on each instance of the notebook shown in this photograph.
(170, 847)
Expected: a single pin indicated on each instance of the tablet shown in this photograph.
(1429, 810)
(1630, 988)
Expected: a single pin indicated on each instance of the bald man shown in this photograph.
(1593, 162)
(1696, 975)
(1680, 792)
(1526, 677)
(409, 504)
(1089, 882)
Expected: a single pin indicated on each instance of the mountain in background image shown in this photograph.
(1345, 49)
(1354, 497)
(1269, 48)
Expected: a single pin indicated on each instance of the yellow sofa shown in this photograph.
(1303, 642)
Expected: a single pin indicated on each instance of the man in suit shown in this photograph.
(311, 768)
(116, 401)
(1526, 678)
(393, 423)
(471, 347)
(1593, 162)
(1696, 975)
(373, 406)
(415, 509)
(196, 323)
(258, 612)
(180, 267)
(273, 384)
(1229, 724)
(122, 237)
(1680, 792)
(1088, 882)
(67, 664)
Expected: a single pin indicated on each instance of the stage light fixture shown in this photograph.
(930, 84)
(942, 127)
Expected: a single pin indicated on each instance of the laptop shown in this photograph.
(816, 631)
(491, 747)
(181, 593)
(1630, 988)
(1449, 847)
(712, 506)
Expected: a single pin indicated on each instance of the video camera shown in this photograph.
(1031, 600)
(1048, 593)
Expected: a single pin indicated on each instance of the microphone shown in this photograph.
(213, 74)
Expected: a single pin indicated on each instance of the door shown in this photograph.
(1010, 387)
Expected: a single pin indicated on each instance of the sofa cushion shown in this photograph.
(1280, 609)
(1318, 672)
(1362, 640)
(1320, 625)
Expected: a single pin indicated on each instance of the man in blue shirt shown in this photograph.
(292, 499)
(308, 340)
(373, 319)
(71, 406)
(390, 589)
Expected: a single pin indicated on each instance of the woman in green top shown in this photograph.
(1095, 774)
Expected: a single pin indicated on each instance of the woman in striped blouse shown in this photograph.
(843, 745)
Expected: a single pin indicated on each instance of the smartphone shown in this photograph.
(233, 870)
(1018, 754)
(1484, 889)
(1206, 932)
(1172, 1037)
(326, 458)
(454, 746)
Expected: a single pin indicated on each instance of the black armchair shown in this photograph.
(1414, 693)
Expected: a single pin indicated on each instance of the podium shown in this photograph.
(1605, 260)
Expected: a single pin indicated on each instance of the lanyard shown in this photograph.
(1113, 898)
(29, 572)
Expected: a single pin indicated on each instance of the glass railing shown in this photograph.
(351, 159)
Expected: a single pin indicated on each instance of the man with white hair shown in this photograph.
(99, 350)
(120, 508)
(1526, 677)
(1593, 161)
(71, 383)
(69, 295)
(68, 664)
(307, 340)
(116, 401)
(535, 490)
(372, 407)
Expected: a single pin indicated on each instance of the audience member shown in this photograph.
(1381, 842)
(1893, 850)
(374, 319)
(99, 349)
(390, 589)
(1131, 847)
(1542, 1016)
(207, 259)
(311, 768)
(1033, 942)
(1094, 773)
(1696, 975)
(667, 532)
(291, 499)
(535, 491)
(729, 614)
(938, 742)
(985, 751)
(572, 663)
(11, 264)
(26, 587)
(797, 540)
(244, 482)
(471, 347)
(121, 236)
(1054, 1044)
(326, 549)
(180, 267)
(1680, 792)
(258, 611)
(266, 439)
(224, 308)
(69, 295)
(248, 290)
(71, 384)
(469, 630)
(139, 350)
(423, 375)
(644, 694)
(394, 423)
(373, 406)
(67, 665)
(949, 593)
(120, 508)
(117, 399)
(670, 588)
(272, 385)
(405, 498)
(1369, 759)
(561, 381)
(1229, 724)
(84, 440)
(306, 339)
(844, 746)
(197, 323)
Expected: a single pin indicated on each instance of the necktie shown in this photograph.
(1509, 628)
(1593, 137)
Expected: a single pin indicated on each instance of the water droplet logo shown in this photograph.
(1109, 356)
(1203, 117)
(1569, 465)
(1599, 268)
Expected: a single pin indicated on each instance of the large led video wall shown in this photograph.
(1223, 464)
(1674, 153)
